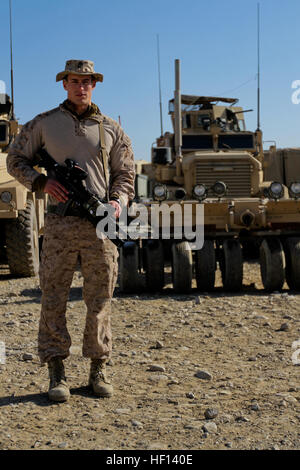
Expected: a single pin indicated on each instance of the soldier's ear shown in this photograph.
(65, 83)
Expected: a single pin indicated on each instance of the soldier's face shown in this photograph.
(79, 89)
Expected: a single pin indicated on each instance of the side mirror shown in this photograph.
(4, 133)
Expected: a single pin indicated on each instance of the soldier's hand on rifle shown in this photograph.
(117, 207)
(57, 190)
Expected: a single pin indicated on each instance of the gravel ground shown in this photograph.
(209, 371)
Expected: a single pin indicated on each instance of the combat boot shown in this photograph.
(98, 380)
(58, 388)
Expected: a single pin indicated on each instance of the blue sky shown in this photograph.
(215, 41)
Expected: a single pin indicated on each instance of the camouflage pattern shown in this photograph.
(65, 135)
(65, 239)
(79, 67)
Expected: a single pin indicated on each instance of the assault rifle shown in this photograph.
(81, 201)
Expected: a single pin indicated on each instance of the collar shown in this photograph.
(91, 112)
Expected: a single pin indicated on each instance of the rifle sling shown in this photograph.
(104, 158)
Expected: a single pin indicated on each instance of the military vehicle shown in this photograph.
(21, 211)
(210, 159)
(281, 164)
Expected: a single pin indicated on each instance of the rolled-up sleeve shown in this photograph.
(21, 154)
(122, 170)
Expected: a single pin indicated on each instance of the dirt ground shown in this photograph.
(203, 371)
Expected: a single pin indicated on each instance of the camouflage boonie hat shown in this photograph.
(79, 67)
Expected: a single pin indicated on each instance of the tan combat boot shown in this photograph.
(58, 388)
(98, 380)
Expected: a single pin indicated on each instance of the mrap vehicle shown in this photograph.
(21, 211)
(211, 159)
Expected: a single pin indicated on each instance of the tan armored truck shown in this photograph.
(21, 211)
(281, 164)
(210, 159)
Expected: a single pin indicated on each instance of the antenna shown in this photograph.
(159, 86)
(177, 110)
(11, 63)
(258, 67)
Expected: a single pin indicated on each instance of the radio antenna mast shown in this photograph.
(159, 86)
(258, 68)
(11, 64)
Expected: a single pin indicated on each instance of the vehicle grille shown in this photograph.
(237, 177)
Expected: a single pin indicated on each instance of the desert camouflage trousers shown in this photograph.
(65, 240)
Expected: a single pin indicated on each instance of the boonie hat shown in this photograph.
(80, 67)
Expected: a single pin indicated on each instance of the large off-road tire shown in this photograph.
(231, 265)
(250, 249)
(182, 267)
(205, 266)
(130, 276)
(292, 259)
(272, 264)
(22, 243)
(154, 265)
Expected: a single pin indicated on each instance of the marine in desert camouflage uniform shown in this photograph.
(72, 130)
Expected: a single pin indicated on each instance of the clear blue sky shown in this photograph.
(215, 41)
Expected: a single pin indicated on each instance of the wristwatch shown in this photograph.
(117, 200)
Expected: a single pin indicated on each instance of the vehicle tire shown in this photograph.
(154, 265)
(22, 243)
(272, 264)
(250, 250)
(130, 277)
(292, 259)
(182, 267)
(231, 265)
(205, 266)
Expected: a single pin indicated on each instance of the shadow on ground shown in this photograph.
(41, 399)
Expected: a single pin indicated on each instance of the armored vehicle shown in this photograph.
(21, 211)
(210, 159)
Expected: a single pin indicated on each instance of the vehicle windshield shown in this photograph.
(187, 107)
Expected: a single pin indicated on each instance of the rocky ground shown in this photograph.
(209, 371)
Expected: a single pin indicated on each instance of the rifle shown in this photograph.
(85, 203)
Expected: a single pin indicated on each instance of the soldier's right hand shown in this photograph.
(57, 190)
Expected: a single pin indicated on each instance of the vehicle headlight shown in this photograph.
(6, 197)
(160, 192)
(276, 190)
(219, 188)
(200, 191)
(294, 190)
